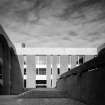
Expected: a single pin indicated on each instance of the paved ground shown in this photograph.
(39, 97)
(10, 100)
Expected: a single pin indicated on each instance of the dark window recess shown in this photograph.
(36, 70)
(51, 70)
(68, 69)
(51, 83)
(24, 63)
(24, 70)
(77, 62)
(58, 70)
(23, 45)
(81, 61)
(43, 86)
(41, 71)
(41, 81)
(25, 83)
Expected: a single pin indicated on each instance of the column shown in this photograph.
(31, 72)
(63, 64)
(48, 71)
(54, 71)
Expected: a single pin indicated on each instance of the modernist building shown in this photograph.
(41, 67)
(11, 79)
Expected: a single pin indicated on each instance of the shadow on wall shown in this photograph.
(86, 83)
(11, 80)
(15, 75)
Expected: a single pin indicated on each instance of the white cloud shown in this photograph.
(42, 25)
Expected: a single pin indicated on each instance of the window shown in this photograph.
(51, 70)
(36, 70)
(23, 45)
(41, 71)
(25, 83)
(41, 86)
(24, 70)
(41, 81)
(81, 61)
(68, 69)
(58, 70)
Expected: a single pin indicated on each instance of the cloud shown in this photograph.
(73, 33)
(54, 23)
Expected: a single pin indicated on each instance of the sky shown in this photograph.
(54, 23)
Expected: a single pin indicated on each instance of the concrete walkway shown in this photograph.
(39, 97)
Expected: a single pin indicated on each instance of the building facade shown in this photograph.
(11, 79)
(41, 67)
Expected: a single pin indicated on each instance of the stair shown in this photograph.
(40, 97)
(44, 93)
(45, 96)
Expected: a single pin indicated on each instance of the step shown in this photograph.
(14, 100)
(44, 93)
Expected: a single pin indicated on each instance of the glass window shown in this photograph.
(41, 71)
(25, 83)
(36, 70)
(58, 70)
(24, 70)
(41, 81)
(81, 61)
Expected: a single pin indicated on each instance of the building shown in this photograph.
(41, 67)
(11, 80)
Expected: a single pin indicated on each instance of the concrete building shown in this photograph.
(11, 80)
(41, 67)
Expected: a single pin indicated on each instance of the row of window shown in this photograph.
(42, 60)
(42, 71)
(39, 83)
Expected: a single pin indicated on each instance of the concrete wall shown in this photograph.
(85, 84)
(10, 68)
(54, 71)
(48, 71)
(63, 64)
(16, 77)
(31, 73)
(5, 56)
(21, 63)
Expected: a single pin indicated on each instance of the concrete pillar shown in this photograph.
(21, 62)
(88, 57)
(74, 59)
(54, 71)
(63, 64)
(31, 72)
(48, 71)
